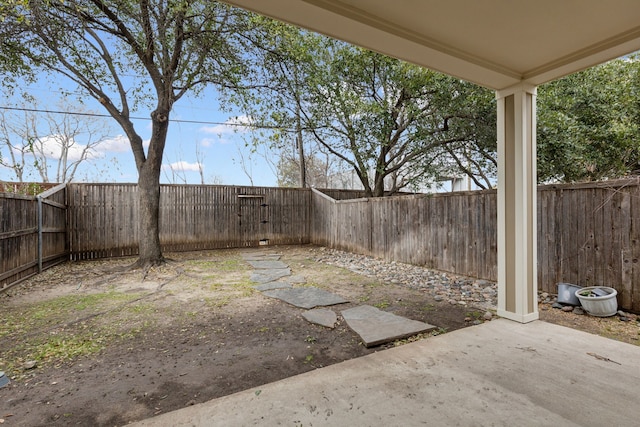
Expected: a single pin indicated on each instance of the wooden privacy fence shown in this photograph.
(33, 234)
(588, 234)
(453, 232)
(103, 218)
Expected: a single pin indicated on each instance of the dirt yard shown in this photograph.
(113, 347)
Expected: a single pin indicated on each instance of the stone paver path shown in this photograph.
(273, 278)
(321, 316)
(268, 265)
(261, 257)
(269, 286)
(264, 276)
(306, 297)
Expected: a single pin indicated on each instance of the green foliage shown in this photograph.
(391, 122)
(395, 123)
(11, 62)
(588, 124)
(24, 188)
(382, 305)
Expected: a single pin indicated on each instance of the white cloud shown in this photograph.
(217, 129)
(182, 166)
(207, 142)
(116, 144)
(52, 147)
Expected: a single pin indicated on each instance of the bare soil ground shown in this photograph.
(627, 330)
(114, 347)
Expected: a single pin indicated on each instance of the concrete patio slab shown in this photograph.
(377, 327)
(306, 297)
(264, 276)
(321, 316)
(269, 286)
(267, 264)
(500, 373)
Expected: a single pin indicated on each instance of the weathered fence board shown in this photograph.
(104, 221)
(19, 238)
(451, 232)
(33, 234)
(588, 234)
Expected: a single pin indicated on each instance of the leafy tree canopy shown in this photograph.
(392, 122)
(588, 124)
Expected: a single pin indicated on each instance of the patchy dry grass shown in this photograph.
(70, 326)
(66, 327)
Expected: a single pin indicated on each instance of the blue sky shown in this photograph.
(219, 147)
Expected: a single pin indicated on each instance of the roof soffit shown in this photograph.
(495, 43)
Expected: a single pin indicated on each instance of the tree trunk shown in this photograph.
(149, 249)
(378, 185)
(381, 171)
(149, 217)
(378, 190)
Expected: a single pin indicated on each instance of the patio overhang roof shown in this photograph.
(494, 43)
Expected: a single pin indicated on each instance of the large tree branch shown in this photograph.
(122, 30)
(108, 60)
(467, 171)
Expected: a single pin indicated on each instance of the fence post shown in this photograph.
(39, 198)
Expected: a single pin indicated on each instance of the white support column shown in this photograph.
(517, 216)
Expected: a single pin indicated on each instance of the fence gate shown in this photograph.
(253, 219)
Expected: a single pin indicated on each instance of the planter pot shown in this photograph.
(567, 293)
(600, 301)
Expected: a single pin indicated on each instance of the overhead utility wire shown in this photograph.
(74, 113)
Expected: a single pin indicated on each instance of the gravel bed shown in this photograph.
(441, 286)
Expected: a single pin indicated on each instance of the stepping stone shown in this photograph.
(377, 327)
(268, 265)
(321, 316)
(269, 286)
(306, 297)
(264, 276)
(260, 257)
(296, 278)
